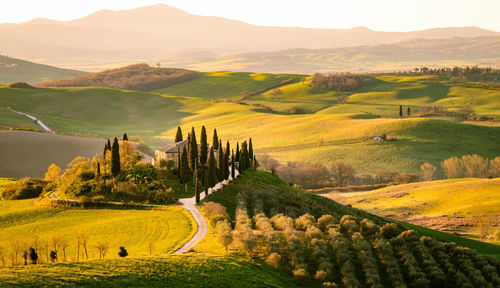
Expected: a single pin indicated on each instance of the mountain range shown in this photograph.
(164, 33)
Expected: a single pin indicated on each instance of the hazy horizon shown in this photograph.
(388, 16)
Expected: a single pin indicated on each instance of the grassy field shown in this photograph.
(28, 154)
(448, 198)
(15, 70)
(225, 85)
(448, 205)
(167, 227)
(192, 270)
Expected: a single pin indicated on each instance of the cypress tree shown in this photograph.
(196, 192)
(203, 146)
(193, 150)
(178, 163)
(237, 152)
(250, 152)
(408, 111)
(220, 163)
(244, 161)
(212, 167)
(115, 158)
(226, 161)
(215, 140)
(178, 135)
(232, 165)
(98, 168)
(203, 153)
(105, 149)
(125, 137)
(400, 111)
(109, 145)
(185, 171)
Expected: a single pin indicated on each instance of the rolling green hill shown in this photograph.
(15, 70)
(226, 85)
(330, 131)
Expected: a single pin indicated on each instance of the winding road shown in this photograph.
(38, 121)
(202, 227)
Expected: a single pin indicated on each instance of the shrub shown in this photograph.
(389, 230)
(326, 222)
(349, 224)
(224, 233)
(24, 189)
(313, 232)
(216, 219)
(123, 252)
(297, 110)
(369, 229)
(273, 260)
(304, 221)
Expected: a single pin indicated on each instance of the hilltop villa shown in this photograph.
(170, 152)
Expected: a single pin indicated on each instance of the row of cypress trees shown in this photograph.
(204, 166)
(115, 155)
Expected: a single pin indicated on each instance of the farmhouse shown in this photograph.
(171, 152)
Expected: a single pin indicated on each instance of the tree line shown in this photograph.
(209, 166)
(343, 81)
(55, 248)
(138, 77)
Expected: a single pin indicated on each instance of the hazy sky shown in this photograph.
(386, 15)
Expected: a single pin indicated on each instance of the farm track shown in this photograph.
(37, 121)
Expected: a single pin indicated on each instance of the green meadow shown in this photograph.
(26, 222)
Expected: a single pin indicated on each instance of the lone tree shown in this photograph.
(212, 167)
(215, 140)
(115, 158)
(408, 111)
(33, 255)
(123, 252)
(401, 111)
(185, 172)
(178, 135)
(125, 137)
(342, 172)
(220, 163)
(250, 152)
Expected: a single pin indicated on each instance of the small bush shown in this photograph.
(273, 260)
(123, 252)
(326, 222)
(297, 110)
(389, 230)
(304, 221)
(216, 219)
(211, 209)
(24, 189)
